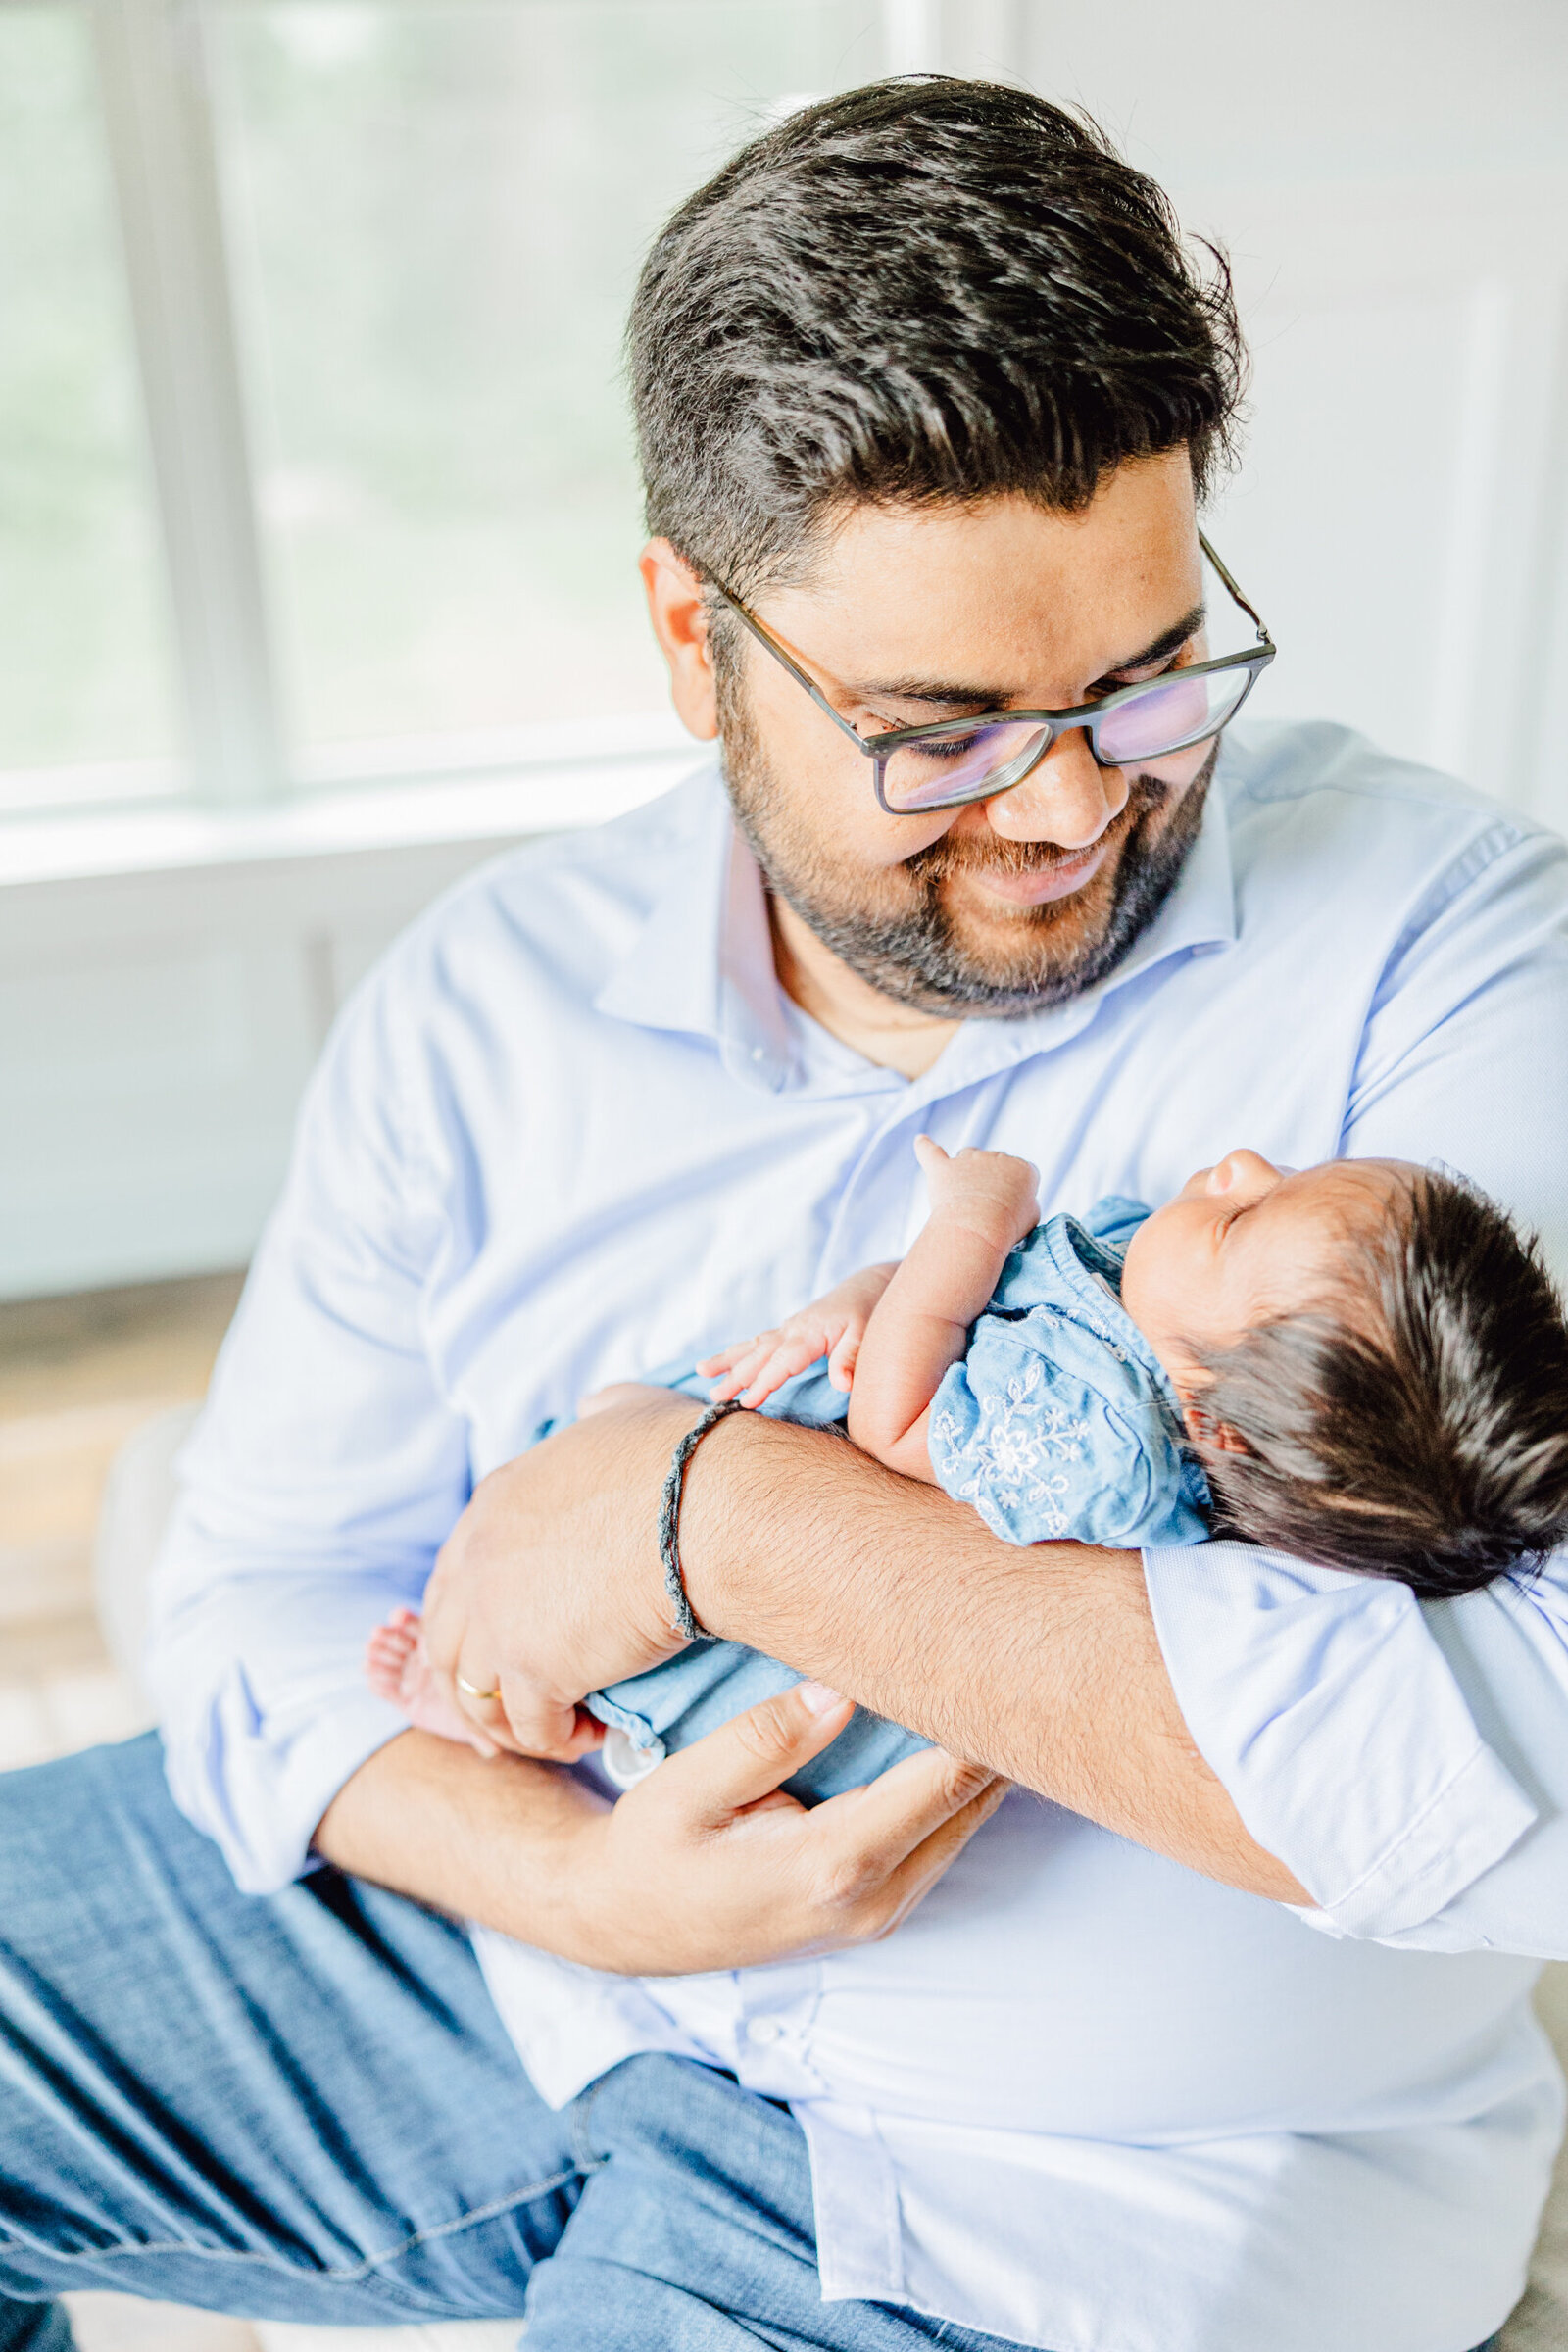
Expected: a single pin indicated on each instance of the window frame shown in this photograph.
(232, 750)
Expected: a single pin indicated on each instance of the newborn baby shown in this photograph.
(1360, 1363)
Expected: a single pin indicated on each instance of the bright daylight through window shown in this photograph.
(86, 690)
(431, 217)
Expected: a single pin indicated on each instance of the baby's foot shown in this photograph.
(396, 1668)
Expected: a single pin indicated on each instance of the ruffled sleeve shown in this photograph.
(1044, 1442)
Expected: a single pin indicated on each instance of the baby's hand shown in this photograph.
(992, 1192)
(833, 1327)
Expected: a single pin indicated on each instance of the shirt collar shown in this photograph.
(703, 962)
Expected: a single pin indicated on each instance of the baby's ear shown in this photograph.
(1206, 1429)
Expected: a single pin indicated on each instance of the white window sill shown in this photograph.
(547, 796)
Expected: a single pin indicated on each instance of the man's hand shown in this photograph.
(704, 1865)
(520, 1603)
(833, 1326)
(709, 1864)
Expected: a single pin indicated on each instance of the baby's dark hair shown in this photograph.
(1423, 1436)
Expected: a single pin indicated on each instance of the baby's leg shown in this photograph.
(396, 1668)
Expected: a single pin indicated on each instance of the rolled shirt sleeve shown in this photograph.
(1331, 1714)
(323, 1478)
(1408, 1761)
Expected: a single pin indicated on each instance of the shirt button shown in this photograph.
(766, 2028)
(623, 1761)
(756, 1052)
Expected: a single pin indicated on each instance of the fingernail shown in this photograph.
(818, 1698)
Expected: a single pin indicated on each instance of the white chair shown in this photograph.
(137, 1504)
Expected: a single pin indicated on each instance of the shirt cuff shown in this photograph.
(1325, 1707)
(259, 1784)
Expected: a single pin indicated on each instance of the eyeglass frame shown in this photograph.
(880, 748)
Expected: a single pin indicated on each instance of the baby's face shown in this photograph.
(1244, 1242)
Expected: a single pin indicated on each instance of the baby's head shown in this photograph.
(1373, 1364)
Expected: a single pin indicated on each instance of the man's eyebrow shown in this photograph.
(992, 698)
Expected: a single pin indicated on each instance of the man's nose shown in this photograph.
(1069, 799)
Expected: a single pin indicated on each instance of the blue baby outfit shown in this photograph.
(1059, 1422)
(1062, 1420)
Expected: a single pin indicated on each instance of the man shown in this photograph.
(1214, 2049)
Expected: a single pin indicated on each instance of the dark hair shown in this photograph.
(925, 289)
(1426, 1440)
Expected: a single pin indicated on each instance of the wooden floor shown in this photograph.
(76, 1376)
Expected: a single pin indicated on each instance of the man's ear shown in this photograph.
(680, 617)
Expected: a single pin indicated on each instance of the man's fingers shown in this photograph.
(536, 1723)
(916, 1876)
(747, 1758)
(868, 1832)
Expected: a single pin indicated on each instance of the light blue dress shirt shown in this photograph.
(1059, 1422)
(1084, 2098)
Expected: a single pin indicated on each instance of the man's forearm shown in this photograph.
(691, 1872)
(1042, 1663)
(490, 1842)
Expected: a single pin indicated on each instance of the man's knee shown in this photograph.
(70, 1829)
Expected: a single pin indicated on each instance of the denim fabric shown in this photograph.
(304, 2107)
(1059, 1422)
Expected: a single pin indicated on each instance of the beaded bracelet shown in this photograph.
(681, 1619)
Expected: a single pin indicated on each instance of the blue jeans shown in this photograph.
(304, 2107)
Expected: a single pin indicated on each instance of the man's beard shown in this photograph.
(911, 949)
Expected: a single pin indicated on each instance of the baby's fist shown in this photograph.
(993, 1190)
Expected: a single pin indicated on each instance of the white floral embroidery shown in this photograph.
(1011, 1458)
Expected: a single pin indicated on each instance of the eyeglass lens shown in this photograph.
(1163, 717)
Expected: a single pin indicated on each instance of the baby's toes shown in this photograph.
(384, 1675)
(391, 1648)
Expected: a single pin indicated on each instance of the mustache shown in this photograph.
(990, 854)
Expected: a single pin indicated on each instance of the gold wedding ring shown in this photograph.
(468, 1691)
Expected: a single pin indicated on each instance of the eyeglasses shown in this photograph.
(960, 760)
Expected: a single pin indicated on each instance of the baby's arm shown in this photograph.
(832, 1326)
(982, 1206)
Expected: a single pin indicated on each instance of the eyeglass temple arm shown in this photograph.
(1250, 608)
(771, 645)
(803, 678)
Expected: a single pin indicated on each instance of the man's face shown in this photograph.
(912, 614)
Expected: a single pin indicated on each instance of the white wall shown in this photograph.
(1392, 180)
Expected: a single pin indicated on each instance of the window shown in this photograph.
(86, 700)
(314, 464)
